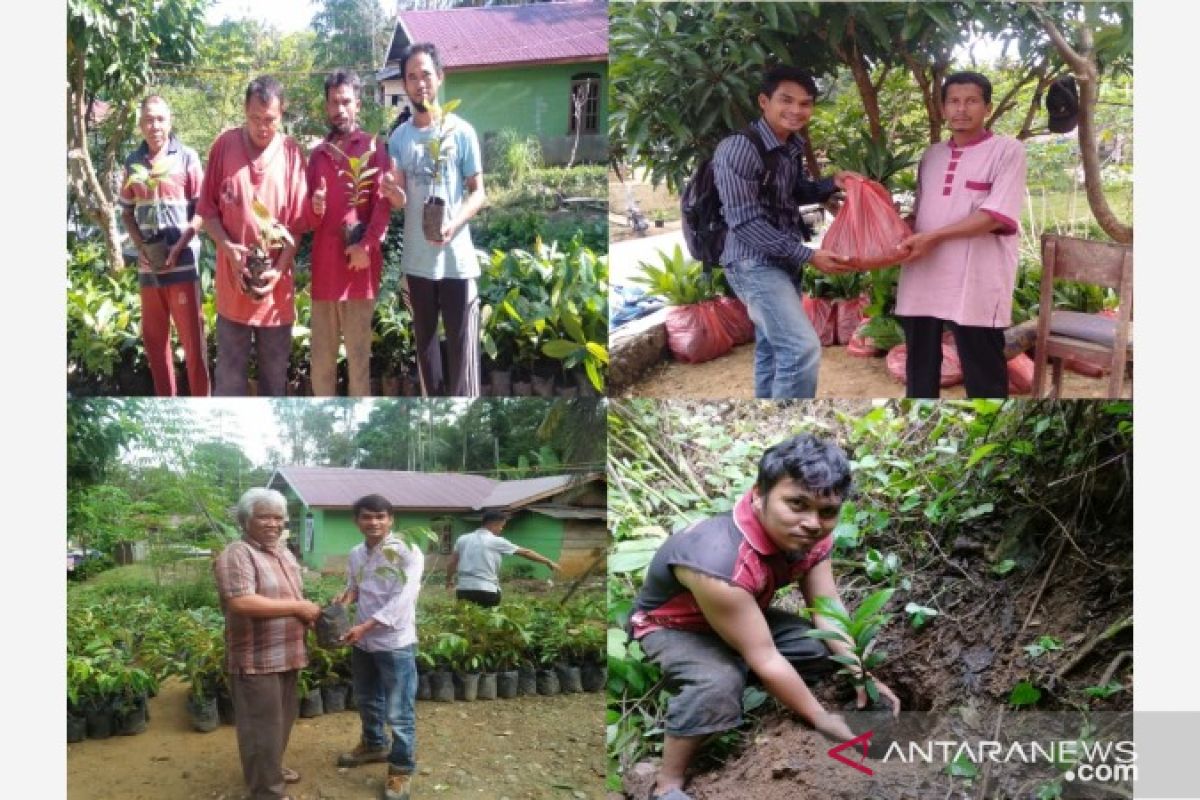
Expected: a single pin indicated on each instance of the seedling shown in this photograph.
(272, 236)
(357, 178)
(858, 632)
(1107, 690)
(918, 614)
(1024, 694)
(154, 245)
(881, 567)
(434, 214)
(1044, 644)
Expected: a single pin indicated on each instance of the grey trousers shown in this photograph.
(264, 708)
(273, 350)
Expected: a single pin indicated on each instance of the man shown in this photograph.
(158, 209)
(255, 162)
(764, 248)
(383, 577)
(703, 612)
(258, 581)
(961, 264)
(350, 220)
(476, 561)
(439, 275)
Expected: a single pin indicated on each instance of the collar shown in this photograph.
(794, 142)
(257, 545)
(752, 530)
(983, 136)
(170, 148)
(389, 539)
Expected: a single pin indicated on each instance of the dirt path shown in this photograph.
(541, 747)
(842, 375)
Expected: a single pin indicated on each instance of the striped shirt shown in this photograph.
(387, 578)
(739, 173)
(166, 209)
(257, 645)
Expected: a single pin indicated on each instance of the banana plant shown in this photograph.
(858, 632)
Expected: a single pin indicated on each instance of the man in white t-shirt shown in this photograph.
(476, 561)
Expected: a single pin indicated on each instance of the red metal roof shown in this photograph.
(337, 487)
(506, 35)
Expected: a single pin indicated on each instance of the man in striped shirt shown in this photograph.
(383, 578)
(258, 580)
(764, 248)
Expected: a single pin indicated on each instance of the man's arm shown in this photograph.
(469, 208)
(255, 605)
(819, 582)
(412, 564)
(738, 620)
(976, 224)
(533, 555)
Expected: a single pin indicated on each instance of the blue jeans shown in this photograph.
(385, 689)
(787, 351)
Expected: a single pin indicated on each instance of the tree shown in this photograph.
(112, 49)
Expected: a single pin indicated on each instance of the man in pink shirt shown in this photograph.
(349, 219)
(254, 163)
(961, 264)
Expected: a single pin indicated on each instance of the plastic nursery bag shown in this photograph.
(867, 229)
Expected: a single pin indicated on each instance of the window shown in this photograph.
(585, 95)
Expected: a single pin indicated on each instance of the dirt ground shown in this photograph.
(522, 749)
(842, 375)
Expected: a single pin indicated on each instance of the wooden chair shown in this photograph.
(1091, 338)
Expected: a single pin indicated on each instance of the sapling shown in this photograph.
(857, 631)
(433, 219)
(154, 246)
(272, 236)
(357, 176)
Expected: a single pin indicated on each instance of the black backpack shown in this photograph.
(704, 226)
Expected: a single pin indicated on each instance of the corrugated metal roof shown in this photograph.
(510, 493)
(505, 35)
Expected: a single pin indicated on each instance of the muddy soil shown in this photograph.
(541, 747)
(842, 375)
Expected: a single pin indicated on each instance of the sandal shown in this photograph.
(290, 775)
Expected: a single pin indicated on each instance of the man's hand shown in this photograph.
(391, 191)
(237, 253)
(834, 727)
(448, 231)
(916, 246)
(830, 263)
(357, 632)
(357, 257)
(318, 199)
(173, 254)
(839, 180)
(346, 597)
(885, 692)
(308, 612)
(269, 278)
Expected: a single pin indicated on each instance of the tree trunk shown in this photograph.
(89, 190)
(930, 86)
(1083, 65)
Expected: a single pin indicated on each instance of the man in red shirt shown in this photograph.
(255, 165)
(261, 591)
(349, 219)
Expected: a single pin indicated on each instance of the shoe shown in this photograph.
(397, 787)
(363, 753)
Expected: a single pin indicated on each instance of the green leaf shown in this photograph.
(980, 453)
(560, 348)
(1025, 694)
(962, 767)
(874, 603)
(976, 511)
(1004, 567)
(834, 636)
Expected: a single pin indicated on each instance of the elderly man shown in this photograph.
(384, 577)
(250, 169)
(258, 580)
(350, 220)
(158, 210)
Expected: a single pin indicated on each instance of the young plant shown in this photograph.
(918, 614)
(857, 631)
(1044, 644)
(880, 566)
(272, 236)
(357, 176)
(433, 218)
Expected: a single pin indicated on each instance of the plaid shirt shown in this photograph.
(255, 645)
(738, 172)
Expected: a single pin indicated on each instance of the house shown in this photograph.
(517, 67)
(562, 517)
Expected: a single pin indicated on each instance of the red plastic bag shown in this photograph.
(867, 229)
(952, 374)
(736, 319)
(849, 316)
(823, 316)
(861, 345)
(695, 333)
(1081, 367)
(1020, 375)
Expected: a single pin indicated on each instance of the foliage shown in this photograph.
(918, 614)
(1024, 694)
(679, 280)
(1044, 644)
(857, 631)
(514, 158)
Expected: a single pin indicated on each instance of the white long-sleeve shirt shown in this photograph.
(388, 579)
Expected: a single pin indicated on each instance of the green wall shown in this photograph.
(335, 534)
(533, 99)
(535, 532)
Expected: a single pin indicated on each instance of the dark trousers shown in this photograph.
(479, 597)
(264, 708)
(980, 350)
(456, 302)
(272, 346)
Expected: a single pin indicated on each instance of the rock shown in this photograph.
(579, 795)
(784, 770)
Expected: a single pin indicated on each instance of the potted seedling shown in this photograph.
(155, 246)
(660, 218)
(357, 176)
(434, 214)
(264, 254)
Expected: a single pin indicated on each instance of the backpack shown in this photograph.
(704, 225)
